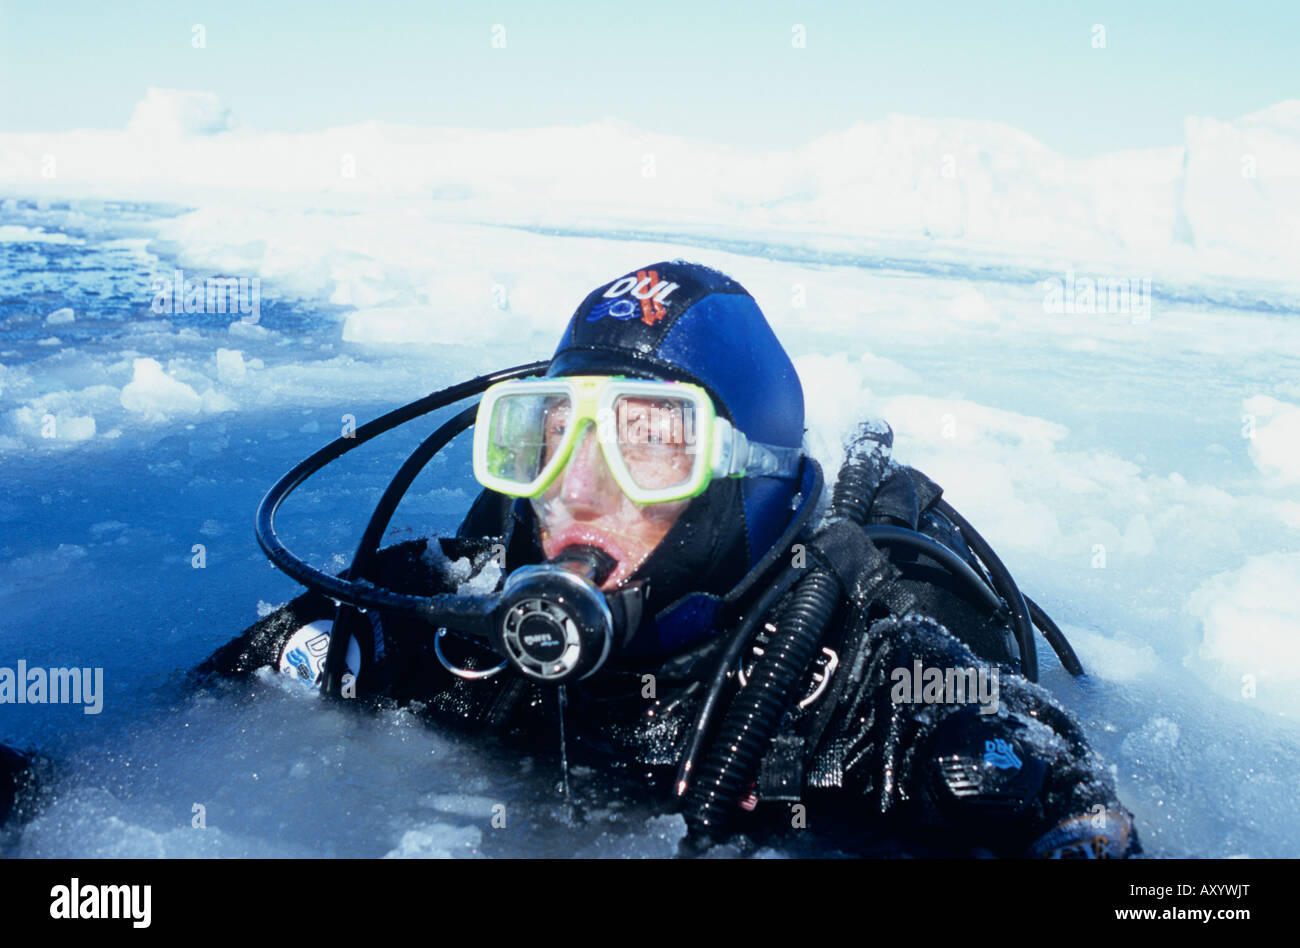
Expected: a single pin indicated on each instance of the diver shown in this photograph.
(654, 545)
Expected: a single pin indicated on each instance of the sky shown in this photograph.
(726, 73)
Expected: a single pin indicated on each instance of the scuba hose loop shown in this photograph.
(777, 581)
(756, 712)
(727, 662)
(1006, 587)
(1056, 638)
(866, 458)
(754, 717)
(886, 535)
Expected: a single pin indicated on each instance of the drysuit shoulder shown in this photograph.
(488, 516)
(930, 737)
(402, 567)
(261, 643)
(909, 499)
(506, 520)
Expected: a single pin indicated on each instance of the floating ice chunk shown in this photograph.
(972, 306)
(460, 572)
(484, 581)
(452, 571)
(659, 840)
(1154, 745)
(60, 317)
(1109, 658)
(670, 827)
(726, 850)
(45, 562)
(363, 291)
(462, 804)
(156, 395)
(17, 233)
(1275, 447)
(52, 427)
(230, 366)
(214, 402)
(248, 331)
(437, 841)
(76, 427)
(179, 112)
(1138, 540)
(265, 608)
(424, 325)
(400, 324)
(1251, 625)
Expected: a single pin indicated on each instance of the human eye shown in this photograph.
(667, 425)
(555, 422)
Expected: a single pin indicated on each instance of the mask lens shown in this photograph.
(525, 432)
(657, 440)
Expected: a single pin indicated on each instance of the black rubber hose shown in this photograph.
(781, 581)
(730, 656)
(1056, 638)
(866, 458)
(401, 483)
(264, 527)
(473, 612)
(1006, 587)
(769, 566)
(755, 714)
(368, 547)
(884, 535)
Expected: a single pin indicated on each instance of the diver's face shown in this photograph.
(585, 505)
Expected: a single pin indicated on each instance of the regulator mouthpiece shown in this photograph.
(590, 562)
(556, 625)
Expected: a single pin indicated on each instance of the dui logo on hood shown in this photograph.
(648, 294)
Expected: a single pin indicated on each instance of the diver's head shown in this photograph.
(649, 474)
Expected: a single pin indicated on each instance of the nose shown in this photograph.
(589, 490)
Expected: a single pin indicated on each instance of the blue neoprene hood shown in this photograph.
(687, 322)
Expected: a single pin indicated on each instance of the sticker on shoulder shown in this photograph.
(304, 653)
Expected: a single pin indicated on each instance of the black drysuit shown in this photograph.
(863, 745)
